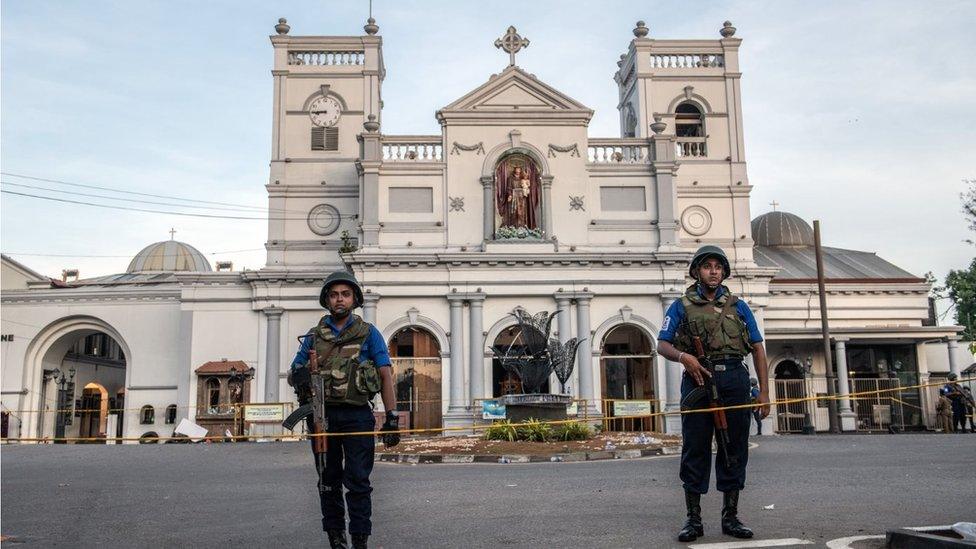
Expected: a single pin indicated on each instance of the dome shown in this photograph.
(168, 256)
(781, 230)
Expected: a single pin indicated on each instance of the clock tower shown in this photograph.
(325, 88)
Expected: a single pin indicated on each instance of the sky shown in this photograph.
(859, 114)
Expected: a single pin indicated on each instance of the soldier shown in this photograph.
(354, 355)
(957, 398)
(729, 332)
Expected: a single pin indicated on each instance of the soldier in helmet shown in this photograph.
(728, 331)
(355, 356)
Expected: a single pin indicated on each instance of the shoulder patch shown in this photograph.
(667, 324)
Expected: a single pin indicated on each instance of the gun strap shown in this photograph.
(717, 325)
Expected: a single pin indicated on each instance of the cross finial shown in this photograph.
(512, 43)
(774, 204)
(172, 232)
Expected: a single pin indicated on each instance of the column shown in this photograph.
(456, 399)
(952, 344)
(563, 324)
(488, 197)
(547, 205)
(665, 169)
(847, 417)
(369, 307)
(370, 160)
(585, 352)
(476, 347)
(273, 354)
(673, 371)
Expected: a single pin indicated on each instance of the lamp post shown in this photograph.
(63, 381)
(808, 428)
(239, 378)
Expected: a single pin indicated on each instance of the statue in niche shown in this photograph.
(517, 195)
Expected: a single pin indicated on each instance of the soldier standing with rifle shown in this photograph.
(341, 365)
(709, 331)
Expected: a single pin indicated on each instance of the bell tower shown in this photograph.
(325, 89)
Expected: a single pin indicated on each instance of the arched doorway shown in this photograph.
(415, 356)
(790, 385)
(77, 371)
(627, 379)
(508, 342)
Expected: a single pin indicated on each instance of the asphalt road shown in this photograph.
(262, 495)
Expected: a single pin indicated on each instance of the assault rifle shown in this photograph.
(311, 408)
(708, 390)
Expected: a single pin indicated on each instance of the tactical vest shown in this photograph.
(345, 380)
(720, 335)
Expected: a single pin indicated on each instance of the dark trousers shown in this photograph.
(348, 462)
(697, 432)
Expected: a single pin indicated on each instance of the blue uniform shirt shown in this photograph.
(374, 348)
(676, 314)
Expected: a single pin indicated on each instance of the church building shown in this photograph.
(512, 205)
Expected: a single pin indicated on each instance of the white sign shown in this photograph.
(264, 412)
(190, 429)
(631, 408)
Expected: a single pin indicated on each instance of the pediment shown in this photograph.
(516, 90)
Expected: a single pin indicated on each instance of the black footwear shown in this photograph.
(359, 541)
(693, 526)
(337, 539)
(731, 526)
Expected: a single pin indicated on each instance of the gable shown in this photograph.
(515, 91)
(515, 95)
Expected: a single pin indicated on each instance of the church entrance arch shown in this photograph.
(75, 366)
(416, 358)
(791, 384)
(627, 378)
(518, 197)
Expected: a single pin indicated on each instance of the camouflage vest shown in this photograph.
(344, 379)
(720, 335)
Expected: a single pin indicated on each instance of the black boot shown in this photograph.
(693, 526)
(337, 539)
(730, 516)
(359, 541)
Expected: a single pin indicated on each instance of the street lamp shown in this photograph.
(63, 382)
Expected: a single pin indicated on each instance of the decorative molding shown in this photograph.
(478, 148)
(324, 219)
(152, 388)
(573, 150)
(696, 220)
(515, 138)
(576, 203)
(457, 203)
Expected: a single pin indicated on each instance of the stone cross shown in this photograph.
(172, 232)
(511, 43)
(774, 204)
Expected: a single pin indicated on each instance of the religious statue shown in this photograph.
(517, 194)
(518, 198)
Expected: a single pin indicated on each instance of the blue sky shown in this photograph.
(857, 113)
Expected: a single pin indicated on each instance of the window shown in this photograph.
(171, 414)
(213, 395)
(147, 416)
(325, 139)
(688, 121)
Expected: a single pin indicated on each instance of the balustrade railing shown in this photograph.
(323, 58)
(686, 60)
(693, 147)
(418, 149)
(618, 151)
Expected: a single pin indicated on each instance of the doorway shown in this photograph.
(415, 356)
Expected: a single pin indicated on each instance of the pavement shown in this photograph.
(801, 491)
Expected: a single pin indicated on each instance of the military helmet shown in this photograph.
(704, 253)
(952, 377)
(343, 277)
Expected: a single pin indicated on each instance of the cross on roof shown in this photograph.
(512, 43)
(774, 204)
(172, 232)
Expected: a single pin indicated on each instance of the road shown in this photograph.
(260, 495)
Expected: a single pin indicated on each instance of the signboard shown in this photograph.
(572, 408)
(631, 408)
(492, 409)
(264, 412)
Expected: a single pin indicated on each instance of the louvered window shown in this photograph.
(325, 139)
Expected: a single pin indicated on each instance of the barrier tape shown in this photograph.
(433, 430)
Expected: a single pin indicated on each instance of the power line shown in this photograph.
(129, 255)
(145, 210)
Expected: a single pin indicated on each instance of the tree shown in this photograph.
(960, 287)
(969, 205)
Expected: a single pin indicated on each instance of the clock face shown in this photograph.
(324, 111)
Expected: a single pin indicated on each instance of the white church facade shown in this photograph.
(512, 205)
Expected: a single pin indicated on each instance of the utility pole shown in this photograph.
(825, 331)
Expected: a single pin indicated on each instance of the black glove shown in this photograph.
(390, 427)
(300, 376)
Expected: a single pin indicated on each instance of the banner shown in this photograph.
(492, 409)
(631, 407)
(264, 412)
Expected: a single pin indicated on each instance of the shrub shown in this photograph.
(534, 430)
(576, 430)
(501, 430)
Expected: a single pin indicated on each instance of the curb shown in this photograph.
(527, 458)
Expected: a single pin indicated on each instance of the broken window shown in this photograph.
(213, 396)
(147, 416)
(688, 121)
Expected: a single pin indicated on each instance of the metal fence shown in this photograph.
(630, 407)
(791, 416)
(877, 411)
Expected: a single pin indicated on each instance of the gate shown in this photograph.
(877, 411)
(790, 415)
(418, 390)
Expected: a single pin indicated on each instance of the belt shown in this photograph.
(721, 363)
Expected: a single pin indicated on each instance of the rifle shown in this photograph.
(718, 415)
(315, 414)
